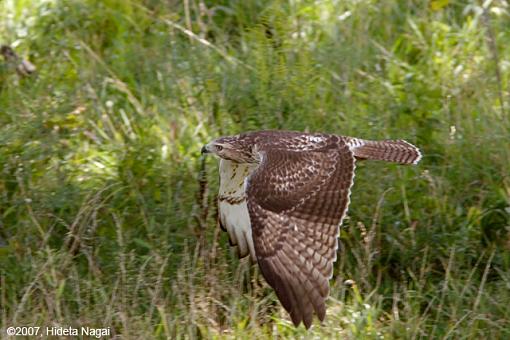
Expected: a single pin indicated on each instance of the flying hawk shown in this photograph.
(282, 198)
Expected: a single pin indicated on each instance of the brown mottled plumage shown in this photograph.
(283, 196)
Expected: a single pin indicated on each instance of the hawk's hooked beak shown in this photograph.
(204, 149)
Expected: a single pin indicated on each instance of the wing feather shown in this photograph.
(296, 202)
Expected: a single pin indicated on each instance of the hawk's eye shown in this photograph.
(219, 147)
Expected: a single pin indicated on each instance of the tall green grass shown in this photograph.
(108, 220)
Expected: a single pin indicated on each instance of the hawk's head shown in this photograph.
(232, 148)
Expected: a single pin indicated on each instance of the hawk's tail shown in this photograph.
(398, 151)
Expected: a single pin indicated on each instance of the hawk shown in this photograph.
(282, 199)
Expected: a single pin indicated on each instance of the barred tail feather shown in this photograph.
(398, 151)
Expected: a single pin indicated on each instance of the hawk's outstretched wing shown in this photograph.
(296, 202)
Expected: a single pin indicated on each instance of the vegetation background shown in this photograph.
(107, 211)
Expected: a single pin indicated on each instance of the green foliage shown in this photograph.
(103, 218)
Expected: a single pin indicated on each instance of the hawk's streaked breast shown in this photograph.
(233, 212)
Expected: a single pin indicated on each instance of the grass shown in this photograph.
(108, 220)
